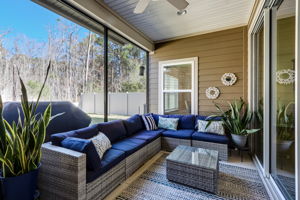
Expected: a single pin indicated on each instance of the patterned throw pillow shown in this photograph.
(215, 127)
(101, 143)
(149, 122)
(168, 123)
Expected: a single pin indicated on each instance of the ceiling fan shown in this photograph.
(142, 5)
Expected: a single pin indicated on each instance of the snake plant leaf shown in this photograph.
(41, 91)
(47, 115)
(2, 128)
(252, 131)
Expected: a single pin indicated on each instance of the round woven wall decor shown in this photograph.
(212, 93)
(228, 79)
(285, 76)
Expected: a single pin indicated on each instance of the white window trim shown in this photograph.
(194, 91)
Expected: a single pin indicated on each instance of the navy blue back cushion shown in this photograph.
(114, 130)
(84, 133)
(185, 121)
(133, 125)
(93, 161)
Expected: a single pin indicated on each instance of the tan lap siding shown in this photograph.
(218, 53)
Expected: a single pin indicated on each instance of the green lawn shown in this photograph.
(100, 118)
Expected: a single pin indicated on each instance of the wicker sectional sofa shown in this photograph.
(64, 173)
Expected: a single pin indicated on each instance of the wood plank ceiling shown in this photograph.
(160, 22)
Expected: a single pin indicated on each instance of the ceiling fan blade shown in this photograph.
(141, 6)
(179, 4)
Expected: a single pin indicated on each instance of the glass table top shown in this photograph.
(195, 156)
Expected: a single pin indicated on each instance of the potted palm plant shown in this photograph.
(20, 148)
(285, 127)
(236, 120)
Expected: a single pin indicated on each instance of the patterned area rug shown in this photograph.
(234, 183)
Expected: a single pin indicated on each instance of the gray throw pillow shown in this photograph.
(215, 127)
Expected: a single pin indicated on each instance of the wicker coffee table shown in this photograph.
(195, 167)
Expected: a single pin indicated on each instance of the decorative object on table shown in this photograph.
(20, 148)
(236, 120)
(229, 79)
(285, 127)
(168, 123)
(285, 76)
(212, 93)
(215, 127)
(196, 167)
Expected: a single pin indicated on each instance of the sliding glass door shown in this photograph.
(283, 98)
(259, 91)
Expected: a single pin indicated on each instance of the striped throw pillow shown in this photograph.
(149, 122)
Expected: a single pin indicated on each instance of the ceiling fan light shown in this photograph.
(181, 12)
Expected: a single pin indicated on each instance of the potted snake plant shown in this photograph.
(20, 148)
(285, 127)
(236, 120)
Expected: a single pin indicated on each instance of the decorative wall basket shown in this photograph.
(212, 93)
(285, 76)
(228, 79)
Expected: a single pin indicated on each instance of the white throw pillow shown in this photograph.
(101, 143)
(214, 127)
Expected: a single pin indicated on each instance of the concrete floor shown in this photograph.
(234, 159)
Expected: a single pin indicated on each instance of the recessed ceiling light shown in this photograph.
(181, 12)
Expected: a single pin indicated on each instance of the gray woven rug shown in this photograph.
(234, 183)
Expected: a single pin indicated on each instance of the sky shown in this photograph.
(24, 17)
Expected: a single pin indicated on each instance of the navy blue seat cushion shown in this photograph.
(111, 158)
(93, 161)
(129, 145)
(72, 118)
(84, 133)
(149, 136)
(210, 137)
(133, 124)
(114, 130)
(180, 133)
(185, 121)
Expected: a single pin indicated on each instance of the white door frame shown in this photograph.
(297, 100)
(194, 90)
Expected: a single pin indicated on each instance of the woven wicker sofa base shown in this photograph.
(63, 173)
(169, 144)
(221, 148)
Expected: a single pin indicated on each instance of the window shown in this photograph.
(177, 86)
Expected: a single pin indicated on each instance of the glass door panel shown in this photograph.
(259, 119)
(283, 101)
